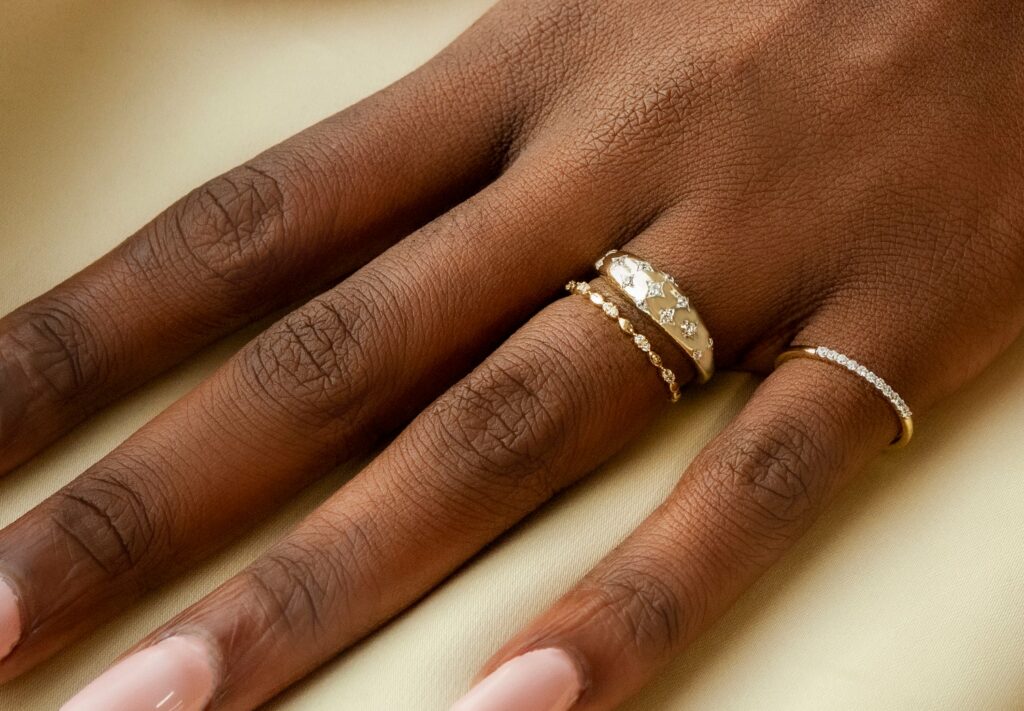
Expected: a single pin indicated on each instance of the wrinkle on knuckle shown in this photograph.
(290, 594)
(765, 477)
(316, 360)
(311, 584)
(224, 233)
(504, 421)
(56, 349)
(108, 520)
(647, 611)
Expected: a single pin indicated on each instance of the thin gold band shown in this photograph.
(828, 355)
(655, 293)
(626, 326)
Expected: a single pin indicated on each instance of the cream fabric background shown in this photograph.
(906, 595)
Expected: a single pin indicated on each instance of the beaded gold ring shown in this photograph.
(626, 326)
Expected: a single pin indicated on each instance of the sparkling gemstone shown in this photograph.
(597, 299)
(698, 354)
(655, 288)
(642, 343)
(689, 328)
(644, 266)
(668, 376)
(666, 315)
(682, 302)
(627, 281)
(642, 305)
(671, 279)
(611, 309)
(862, 371)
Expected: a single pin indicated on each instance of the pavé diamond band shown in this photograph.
(655, 293)
(830, 356)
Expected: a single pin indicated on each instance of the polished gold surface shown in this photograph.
(656, 294)
(626, 326)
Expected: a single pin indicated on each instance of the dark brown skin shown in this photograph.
(845, 173)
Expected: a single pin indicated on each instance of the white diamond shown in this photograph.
(698, 354)
(642, 343)
(642, 305)
(671, 279)
(682, 302)
(862, 371)
(627, 281)
(689, 328)
(645, 266)
(666, 315)
(611, 309)
(655, 288)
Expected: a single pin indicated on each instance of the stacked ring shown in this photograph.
(656, 294)
(626, 326)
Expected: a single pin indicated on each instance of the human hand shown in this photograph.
(852, 171)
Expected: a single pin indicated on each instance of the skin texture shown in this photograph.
(844, 173)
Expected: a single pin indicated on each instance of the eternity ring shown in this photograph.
(655, 293)
(626, 326)
(876, 381)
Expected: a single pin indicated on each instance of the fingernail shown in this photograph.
(541, 680)
(10, 619)
(173, 675)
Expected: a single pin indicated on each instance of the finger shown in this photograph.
(278, 227)
(488, 451)
(745, 499)
(319, 387)
(563, 394)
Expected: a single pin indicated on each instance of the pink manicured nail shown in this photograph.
(10, 619)
(541, 680)
(175, 674)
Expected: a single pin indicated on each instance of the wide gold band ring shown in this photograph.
(828, 355)
(656, 294)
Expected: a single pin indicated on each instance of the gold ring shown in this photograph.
(656, 294)
(626, 326)
(828, 355)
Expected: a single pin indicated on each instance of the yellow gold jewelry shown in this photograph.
(639, 340)
(827, 354)
(656, 294)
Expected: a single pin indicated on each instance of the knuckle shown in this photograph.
(765, 476)
(224, 232)
(505, 420)
(645, 608)
(307, 583)
(111, 522)
(290, 592)
(315, 361)
(56, 349)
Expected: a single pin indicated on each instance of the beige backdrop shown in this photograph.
(906, 595)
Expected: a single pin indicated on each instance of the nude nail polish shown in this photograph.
(541, 680)
(10, 619)
(175, 674)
